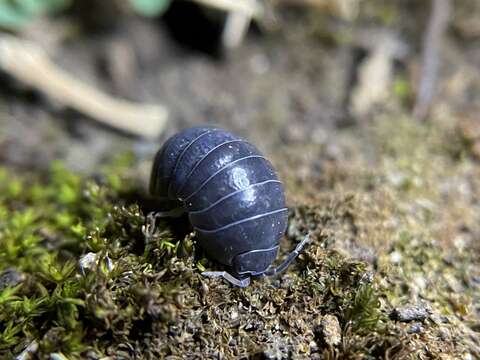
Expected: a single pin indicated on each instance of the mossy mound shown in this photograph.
(391, 272)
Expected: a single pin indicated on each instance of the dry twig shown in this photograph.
(437, 25)
(240, 14)
(236, 27)
(246, 7)
(28, 63)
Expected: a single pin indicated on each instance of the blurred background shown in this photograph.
(82, 81)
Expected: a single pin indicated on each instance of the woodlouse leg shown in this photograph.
(289, 259)
(150, 224)
(230, 278)
(177, 212)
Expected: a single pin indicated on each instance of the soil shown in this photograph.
(286, 85)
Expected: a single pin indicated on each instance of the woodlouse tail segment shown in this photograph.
(244, 282)
(292, 256)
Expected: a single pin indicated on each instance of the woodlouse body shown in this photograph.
(232, 195)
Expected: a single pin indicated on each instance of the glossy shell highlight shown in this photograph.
(232, 195)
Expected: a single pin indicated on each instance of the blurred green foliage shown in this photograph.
(43, 232)
(15, 14)
(150, 7)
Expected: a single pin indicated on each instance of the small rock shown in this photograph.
(410, 313)
(331, 331)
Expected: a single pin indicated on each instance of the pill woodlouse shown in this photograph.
(233, 197)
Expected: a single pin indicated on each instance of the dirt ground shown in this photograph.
(392, 203)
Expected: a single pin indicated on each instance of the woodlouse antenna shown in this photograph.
(292, 256)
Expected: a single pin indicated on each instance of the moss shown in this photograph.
(93, 283)
(82, 278)
(406, 205)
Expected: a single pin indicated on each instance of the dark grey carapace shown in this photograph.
(233, 198)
